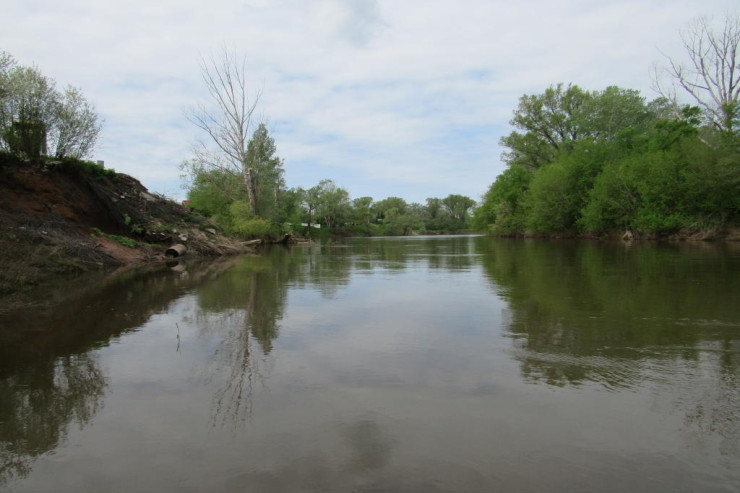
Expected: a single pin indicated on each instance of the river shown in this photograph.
(422, 364)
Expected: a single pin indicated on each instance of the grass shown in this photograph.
(122, 240)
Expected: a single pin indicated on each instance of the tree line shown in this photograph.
(610, 160)
(236, 177)
(325, 208)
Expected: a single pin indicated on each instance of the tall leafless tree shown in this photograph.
(227, 119)
(711, 76)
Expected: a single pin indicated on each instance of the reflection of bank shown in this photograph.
(242, 310)
(50, 377)
(657, 316)
(39, 403)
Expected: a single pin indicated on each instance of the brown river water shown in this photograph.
(423, 364)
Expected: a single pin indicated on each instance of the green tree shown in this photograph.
(406, 222)
(546, 123)
(36, 119)
(459, 207)
(553, 122)
(381, 207)
(269, 184)
(310, 201)
(213, 191)
(362, 211)
(333, 204)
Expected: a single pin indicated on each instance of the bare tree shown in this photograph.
(227, 120)
(712, 75)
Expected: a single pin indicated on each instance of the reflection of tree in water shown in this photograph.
(325, 268)
(452, 253)
(241, 310)
(623, 317)
(39, 403)
(49, 378)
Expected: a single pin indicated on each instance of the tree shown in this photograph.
(6, 63)
(36, 119)
(550, 123)
(227, 120)
(555, 121)
(212, 192)
(267, 172)
(76, 125)
(712, 75)
(381, 207)
(310, 201)
(458, 206)
(333, 203)
(28, 111)
(361, 210)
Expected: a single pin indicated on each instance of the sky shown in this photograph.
(405, 98)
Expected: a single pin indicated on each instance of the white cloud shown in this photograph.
(388, 98)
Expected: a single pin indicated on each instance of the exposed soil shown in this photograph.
(64, 218)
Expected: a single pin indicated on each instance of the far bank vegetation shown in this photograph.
(595, 162)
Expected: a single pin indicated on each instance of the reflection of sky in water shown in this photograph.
(391, 370)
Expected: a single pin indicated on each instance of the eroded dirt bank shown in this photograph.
(63, 218)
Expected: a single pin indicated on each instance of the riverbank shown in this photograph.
(61, 218)
(727, 234)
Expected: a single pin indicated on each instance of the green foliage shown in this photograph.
(212, 193)
(135, 228)
(382, 207)
(267, 172)
(552, 206)
(220, 192)
(362, 211)
(612, 162)
(500, 209)
(244, 223)
(123, 240)
(404, 222)
(549, 122)
(613, 201)
(555, 121)
(458, 207)
(91, 168)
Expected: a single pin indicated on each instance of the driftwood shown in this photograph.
(252, 242)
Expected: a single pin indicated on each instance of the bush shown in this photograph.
(612, 202)
(552, 200)
(244, 223)
(500, 209)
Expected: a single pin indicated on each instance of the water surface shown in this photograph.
(398, 364)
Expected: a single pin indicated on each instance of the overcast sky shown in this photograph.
(401, 98)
